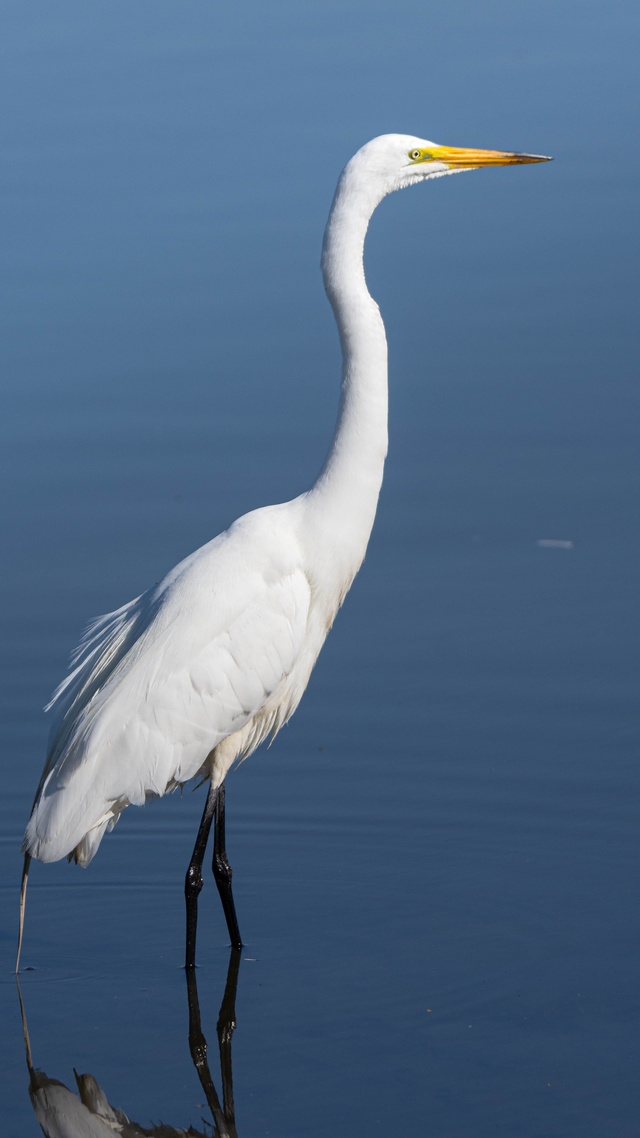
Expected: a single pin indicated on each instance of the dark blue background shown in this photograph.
(436, 863)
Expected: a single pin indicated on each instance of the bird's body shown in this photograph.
(185, 679)
(199, 670)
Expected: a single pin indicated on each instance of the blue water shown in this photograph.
(435, 864)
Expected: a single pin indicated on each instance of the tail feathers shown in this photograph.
(23, 902)
(80, 847)
(52, 835)
(85, 849)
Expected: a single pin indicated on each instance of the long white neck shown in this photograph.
(346, 492)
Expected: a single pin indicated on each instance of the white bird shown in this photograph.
(194, 674)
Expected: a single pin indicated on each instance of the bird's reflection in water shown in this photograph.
(62, 1113)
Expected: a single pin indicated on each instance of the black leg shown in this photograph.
(223, 874)
(193, 880)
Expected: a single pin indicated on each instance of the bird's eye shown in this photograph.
(414, 155)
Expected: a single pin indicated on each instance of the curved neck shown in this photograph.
(349, 483)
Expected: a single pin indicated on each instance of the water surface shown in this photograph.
(435, 864)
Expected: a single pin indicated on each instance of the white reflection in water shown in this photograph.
(61, 1113)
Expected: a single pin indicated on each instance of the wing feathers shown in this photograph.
(156, 685)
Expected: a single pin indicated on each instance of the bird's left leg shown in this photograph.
(222, 872)
(193, 880)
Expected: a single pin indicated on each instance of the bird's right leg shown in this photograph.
(223, 873)
(193, 880)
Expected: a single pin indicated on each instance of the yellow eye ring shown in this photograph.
(414, 155)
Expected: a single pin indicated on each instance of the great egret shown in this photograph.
(195, 673)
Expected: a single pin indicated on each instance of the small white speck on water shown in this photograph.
(554, 543)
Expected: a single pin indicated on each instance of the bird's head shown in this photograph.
(393, 161)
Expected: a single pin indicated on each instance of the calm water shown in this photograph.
(436, 863)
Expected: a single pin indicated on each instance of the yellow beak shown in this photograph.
(459, 157)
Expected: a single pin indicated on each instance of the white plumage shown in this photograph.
(195, 673)
(178, 683)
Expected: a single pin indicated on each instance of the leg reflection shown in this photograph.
(63, 1113)
(223, 1115)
